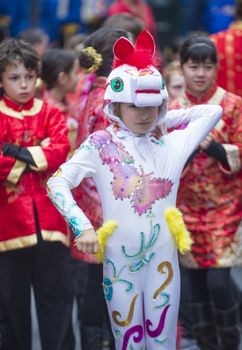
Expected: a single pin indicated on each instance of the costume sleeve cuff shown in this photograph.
(16, 171)
(38, 157)
(233, 157)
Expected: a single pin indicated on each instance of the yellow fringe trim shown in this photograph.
(103, 233)
(178, 230)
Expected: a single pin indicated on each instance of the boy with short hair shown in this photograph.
(33, 236)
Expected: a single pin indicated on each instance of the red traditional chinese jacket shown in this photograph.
(229, 47)
(210, 196)
(68, 113)
(42, 130)
(93, 117)
(86, 195)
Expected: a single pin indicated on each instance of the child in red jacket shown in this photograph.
(33, 236)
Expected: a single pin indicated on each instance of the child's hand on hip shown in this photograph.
(87, 242)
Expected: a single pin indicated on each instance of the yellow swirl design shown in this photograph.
(161, 267)
(125, 323)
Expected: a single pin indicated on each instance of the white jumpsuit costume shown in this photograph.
(137, 177)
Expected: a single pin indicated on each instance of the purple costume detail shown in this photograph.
(142, 189)
(155, 333)
(135, 329)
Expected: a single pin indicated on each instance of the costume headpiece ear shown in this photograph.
(122, 49)
(140, 56)
(145, 42)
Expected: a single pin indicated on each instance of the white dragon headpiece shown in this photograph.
(134, 79)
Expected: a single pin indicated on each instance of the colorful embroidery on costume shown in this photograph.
(131, 332)
(150, 214)
(139, 72)
(84, 146)
(157, 332)
(159, 141)
(125, 323)
(73, 221)
(117, 333)
(108, 282)
(129, 182)
(161, 268)
(166, 299)
(140, 259)
(160, 341)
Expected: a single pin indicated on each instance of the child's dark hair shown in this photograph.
(126, 22)
(53, 62)
(13, 50)
(32, 35)
(198, 49)
(102, 40)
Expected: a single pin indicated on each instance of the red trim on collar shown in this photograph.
(16, 107)
(204, 98)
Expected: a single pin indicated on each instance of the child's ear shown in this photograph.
(62, 78)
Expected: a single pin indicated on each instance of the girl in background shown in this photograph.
(59, 72)
(210, 198)
(174, 79)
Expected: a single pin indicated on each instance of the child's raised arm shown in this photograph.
(183, 116)
(197, 121)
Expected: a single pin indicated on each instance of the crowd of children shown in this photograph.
(101, 156)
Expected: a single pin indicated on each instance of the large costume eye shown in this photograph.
(117, 84)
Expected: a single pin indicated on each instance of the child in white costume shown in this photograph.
(137, 177)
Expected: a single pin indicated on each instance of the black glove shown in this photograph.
(217, 151)
(18, 152)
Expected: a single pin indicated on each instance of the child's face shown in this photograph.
(137, 119)
(176, 85)
(18, 82)
(71, 78)
(199, 77)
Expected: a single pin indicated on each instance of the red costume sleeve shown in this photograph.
(10, 168)
(56, 129)
(232, 106)
(236, 127)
